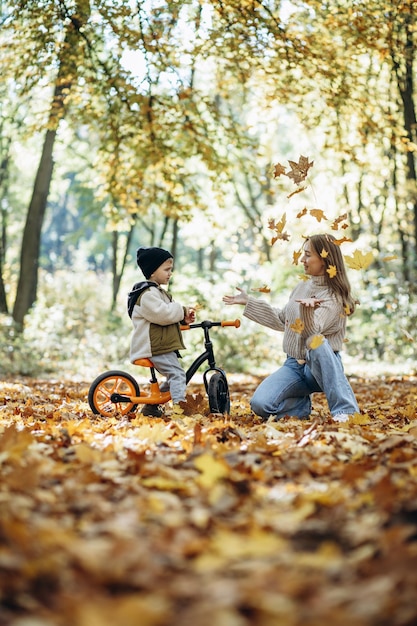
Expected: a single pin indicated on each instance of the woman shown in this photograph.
(314, 323)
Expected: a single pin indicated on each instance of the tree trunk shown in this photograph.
(404, 68)
(116, 271)
(29, 257)
(4, 178)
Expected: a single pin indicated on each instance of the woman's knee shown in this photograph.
(258, 407)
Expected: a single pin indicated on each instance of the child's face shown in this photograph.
(163, 273)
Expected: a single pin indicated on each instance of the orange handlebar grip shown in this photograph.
(184, 327)
(235, 323)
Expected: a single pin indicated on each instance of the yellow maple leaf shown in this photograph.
(324, 254)
(332, 271)
(390, 258)
(302, 213)
(338, 242)
(338, 220)
(283, 236)
(278, 226)
(293, 193)
(316, 341)
(359, 260)
(296, 256)
(318, 214)
(297, 326)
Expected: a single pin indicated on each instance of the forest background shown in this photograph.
(225, 130)
(162, 123)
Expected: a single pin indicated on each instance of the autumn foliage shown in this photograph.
(207, 519)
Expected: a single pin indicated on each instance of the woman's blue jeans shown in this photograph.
(287, 391)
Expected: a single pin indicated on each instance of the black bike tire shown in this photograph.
(218, 393)
(101, 389)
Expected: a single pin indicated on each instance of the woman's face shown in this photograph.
(313, 263)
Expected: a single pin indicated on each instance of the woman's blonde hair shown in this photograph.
(329, 251)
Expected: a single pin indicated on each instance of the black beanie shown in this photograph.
(149, 259)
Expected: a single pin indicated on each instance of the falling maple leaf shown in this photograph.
(390, 258)
(278, 170)
(338, 242)
(299, 171)
(359, 260)
(338, 220)
(296, 256)
(263, 289)
(297, 326)
(283, 236)
(293, 193)
(318, 214)
(302, 213)
(278, 227)
(332, 271)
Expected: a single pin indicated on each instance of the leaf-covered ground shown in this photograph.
(206, 520)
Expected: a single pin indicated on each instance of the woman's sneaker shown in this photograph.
(152, 410)
(341, 417)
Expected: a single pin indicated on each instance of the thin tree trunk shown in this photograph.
(29, 257)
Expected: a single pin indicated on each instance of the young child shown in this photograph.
(156, 322)
(319, 307)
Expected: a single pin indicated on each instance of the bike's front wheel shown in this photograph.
(218, 393)
(107, 384)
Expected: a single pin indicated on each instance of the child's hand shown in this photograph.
(189, 316)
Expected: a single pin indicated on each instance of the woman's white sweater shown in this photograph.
(329, 319)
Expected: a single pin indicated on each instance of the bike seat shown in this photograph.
(143, 362)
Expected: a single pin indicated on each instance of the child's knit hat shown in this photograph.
(149, 259)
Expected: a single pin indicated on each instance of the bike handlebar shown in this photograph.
(235, 323)
(209, 324)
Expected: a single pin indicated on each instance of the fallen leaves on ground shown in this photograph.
(207, 519)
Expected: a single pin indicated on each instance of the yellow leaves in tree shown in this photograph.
(297, 326)
(359, 260)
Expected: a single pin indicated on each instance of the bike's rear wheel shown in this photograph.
(218, 393)
(107, 384)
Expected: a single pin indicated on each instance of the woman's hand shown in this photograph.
(241, 298)
(314, 303)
